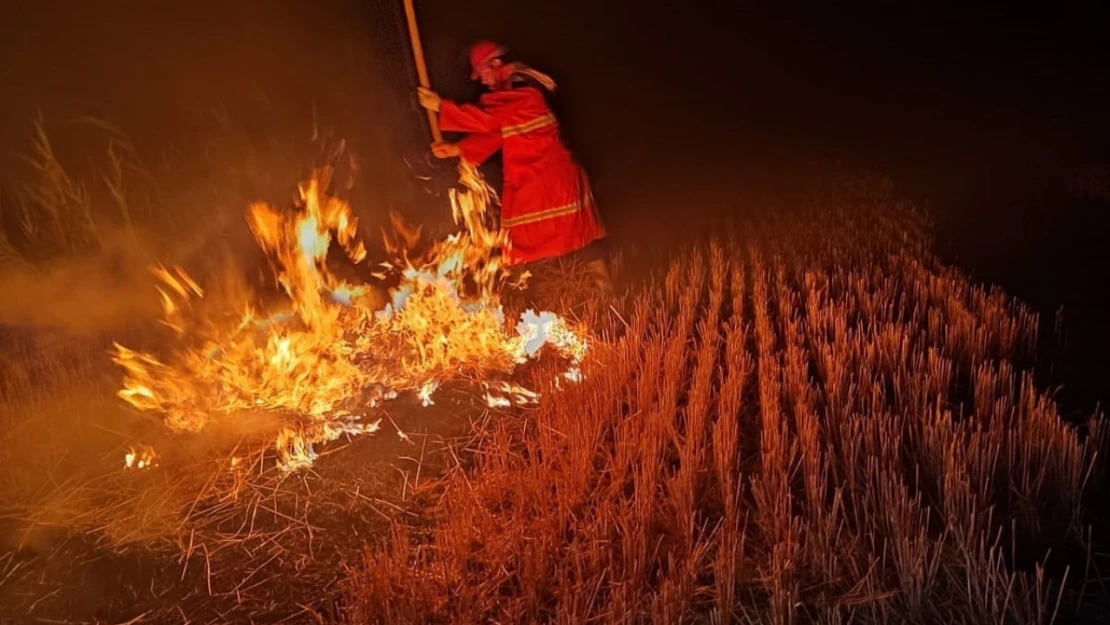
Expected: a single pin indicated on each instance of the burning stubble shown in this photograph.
(333, 355)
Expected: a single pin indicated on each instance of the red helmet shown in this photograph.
(482, 53)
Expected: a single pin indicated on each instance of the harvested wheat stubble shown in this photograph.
(813, 422)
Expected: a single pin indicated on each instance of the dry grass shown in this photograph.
(812, 422)
(87, 189)
(203, 536)
(66, 209)
(195, 539)
(213, 533)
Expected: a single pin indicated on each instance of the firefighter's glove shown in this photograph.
(445, 150)
(428, 99)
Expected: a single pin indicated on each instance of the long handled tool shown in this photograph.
(421, 67)
(468, 174)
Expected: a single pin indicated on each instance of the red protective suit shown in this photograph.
(547, 205)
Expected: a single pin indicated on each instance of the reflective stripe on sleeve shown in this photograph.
(548, 213)
(535, 124)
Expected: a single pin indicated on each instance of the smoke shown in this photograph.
(219, 106)
(90, 294)
(227, 84)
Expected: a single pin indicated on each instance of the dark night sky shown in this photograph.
(784, 79)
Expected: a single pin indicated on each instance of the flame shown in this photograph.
(513, 394)
(334, 354)
(142, 458)
(425, 393)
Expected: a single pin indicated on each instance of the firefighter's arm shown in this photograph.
(455, 117)
(475, 148)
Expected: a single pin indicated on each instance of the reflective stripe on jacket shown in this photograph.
(547, 206)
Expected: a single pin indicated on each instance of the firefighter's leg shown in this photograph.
(597, 266)
(521, 280)
(599, 271)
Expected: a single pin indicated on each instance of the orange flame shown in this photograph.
(335, 356)
(139, 459)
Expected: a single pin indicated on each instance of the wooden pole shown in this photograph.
(421, 67)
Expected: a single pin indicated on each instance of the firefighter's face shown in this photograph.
(491, 73)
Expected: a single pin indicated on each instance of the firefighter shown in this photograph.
(547, 205)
